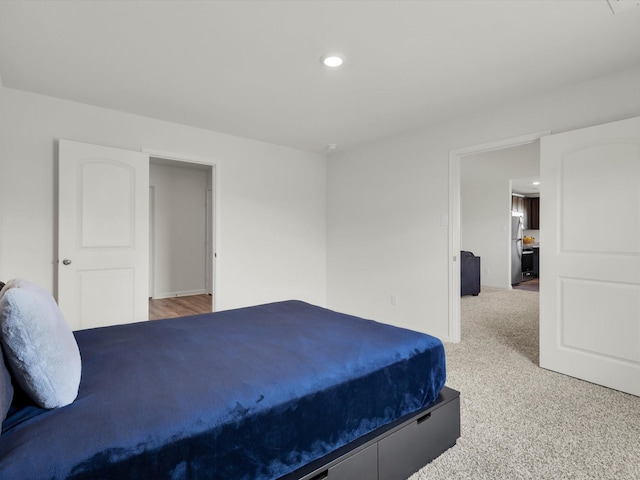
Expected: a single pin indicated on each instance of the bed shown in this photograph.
(285, 390)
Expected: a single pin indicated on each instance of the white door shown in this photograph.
(103, 235)
(590, 254)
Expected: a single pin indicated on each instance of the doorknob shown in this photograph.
(66, 261)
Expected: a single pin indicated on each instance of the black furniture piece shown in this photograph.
(469, 274)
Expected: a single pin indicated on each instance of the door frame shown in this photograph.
(152, 239)
(455, 157)
(215, 192)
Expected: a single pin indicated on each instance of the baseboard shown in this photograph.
(184, 293)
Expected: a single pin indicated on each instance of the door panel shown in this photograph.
(585, 303)
(107, 191)
(599, 194)
(106, 294)
(103, 235)
(590, 285)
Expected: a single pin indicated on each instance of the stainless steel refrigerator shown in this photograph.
(516, 249)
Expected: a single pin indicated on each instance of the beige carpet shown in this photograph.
(523, 422)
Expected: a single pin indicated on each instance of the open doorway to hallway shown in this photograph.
(181, 238)
(487, 189)
(489, 183)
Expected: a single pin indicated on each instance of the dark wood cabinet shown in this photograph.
(534, 213)
(529, 207)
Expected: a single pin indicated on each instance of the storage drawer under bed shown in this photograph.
(408, 449)
(402, 450)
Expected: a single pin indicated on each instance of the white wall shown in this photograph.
(535, 234)
(485, 206)
(179, 232)
(386, 200)
(271, 199)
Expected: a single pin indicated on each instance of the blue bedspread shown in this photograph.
(251, 393)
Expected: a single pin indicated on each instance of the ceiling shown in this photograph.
(526, 186)
(252, 69)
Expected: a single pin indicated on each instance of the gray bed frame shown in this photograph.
(395, 451)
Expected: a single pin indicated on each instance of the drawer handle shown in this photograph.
(424, 418)
(321, 475)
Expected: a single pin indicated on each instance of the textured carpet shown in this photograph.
(520, 421)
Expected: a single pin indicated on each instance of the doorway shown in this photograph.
(181, 237)
(486, 209)
(455, 168)
(525, 205)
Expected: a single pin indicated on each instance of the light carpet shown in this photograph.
(520, 421)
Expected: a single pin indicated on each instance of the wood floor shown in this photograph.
(532, 285)
(179, 306)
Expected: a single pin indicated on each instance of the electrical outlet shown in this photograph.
(394, 299)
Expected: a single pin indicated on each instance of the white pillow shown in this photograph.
(39, 346)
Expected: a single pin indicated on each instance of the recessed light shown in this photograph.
(332, 60)
(535, 183)
(332, 146)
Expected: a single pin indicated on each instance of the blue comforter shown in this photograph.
(251, 393)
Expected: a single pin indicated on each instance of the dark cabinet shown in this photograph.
(534, 213)
(530, 263)
(529, 207)
(536, 262)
